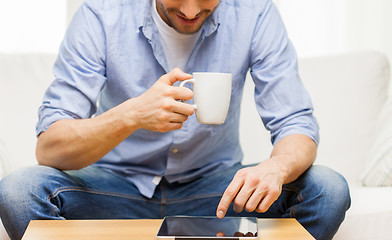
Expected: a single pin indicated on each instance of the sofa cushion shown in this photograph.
(379, 171)
(5, 166)
(369, 216)
(24, 79)
(348, 92)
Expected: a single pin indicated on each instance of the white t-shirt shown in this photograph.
(176, 46)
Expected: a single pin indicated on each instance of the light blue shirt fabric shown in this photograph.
(111, 52)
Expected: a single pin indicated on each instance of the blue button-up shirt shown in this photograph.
(112, 52)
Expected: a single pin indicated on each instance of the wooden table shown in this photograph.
(143, 229)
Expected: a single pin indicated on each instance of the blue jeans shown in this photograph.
(318, 199)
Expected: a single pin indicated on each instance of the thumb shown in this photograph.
(175, 75)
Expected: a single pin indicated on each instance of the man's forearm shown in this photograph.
(295, 154)
(74, 144)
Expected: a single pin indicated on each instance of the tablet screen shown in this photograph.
(182, 227)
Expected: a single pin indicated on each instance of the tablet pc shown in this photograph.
(207, 228)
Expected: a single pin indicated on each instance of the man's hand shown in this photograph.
(253, 189)
(158, 109)
(256, 188)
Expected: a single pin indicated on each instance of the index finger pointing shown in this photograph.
(228, 197)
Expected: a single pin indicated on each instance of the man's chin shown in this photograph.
(187, 29)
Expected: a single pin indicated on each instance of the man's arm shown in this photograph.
(74, 144)
(256, 188)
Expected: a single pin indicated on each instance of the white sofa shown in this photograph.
(348, 92)
(23, 80)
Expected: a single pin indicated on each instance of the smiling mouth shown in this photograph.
(186, 21)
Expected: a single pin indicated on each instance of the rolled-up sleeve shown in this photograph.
(281, 99)
(79, 71)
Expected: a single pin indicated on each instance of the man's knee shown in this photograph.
(324, 200)
(331, 187)
(23, 184)
(332, 182)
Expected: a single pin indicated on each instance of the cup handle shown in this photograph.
(192, 81)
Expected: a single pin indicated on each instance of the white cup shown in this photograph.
(211, 96)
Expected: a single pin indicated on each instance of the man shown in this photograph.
(115, 142)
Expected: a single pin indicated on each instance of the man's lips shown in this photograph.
(186, 21)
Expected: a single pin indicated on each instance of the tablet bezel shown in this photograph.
(205, 237)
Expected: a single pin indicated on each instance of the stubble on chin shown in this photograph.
(174, 11)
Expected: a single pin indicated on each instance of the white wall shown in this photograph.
(370, 24)
(320, 27)
(31, 26)
(316, 27)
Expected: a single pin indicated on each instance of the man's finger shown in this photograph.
(184, 109)
(254, 200)
(242, 197)
(268, 200)
(265, 204)
(178, 118)
(174, 76)
(181, 93)
(228, 196)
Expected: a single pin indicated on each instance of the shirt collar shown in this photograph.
(145, 24)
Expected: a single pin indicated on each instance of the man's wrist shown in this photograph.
(122, 120)
(282, 162)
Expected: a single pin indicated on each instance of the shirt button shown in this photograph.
(175, 150)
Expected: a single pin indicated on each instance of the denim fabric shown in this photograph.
(318, 199)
